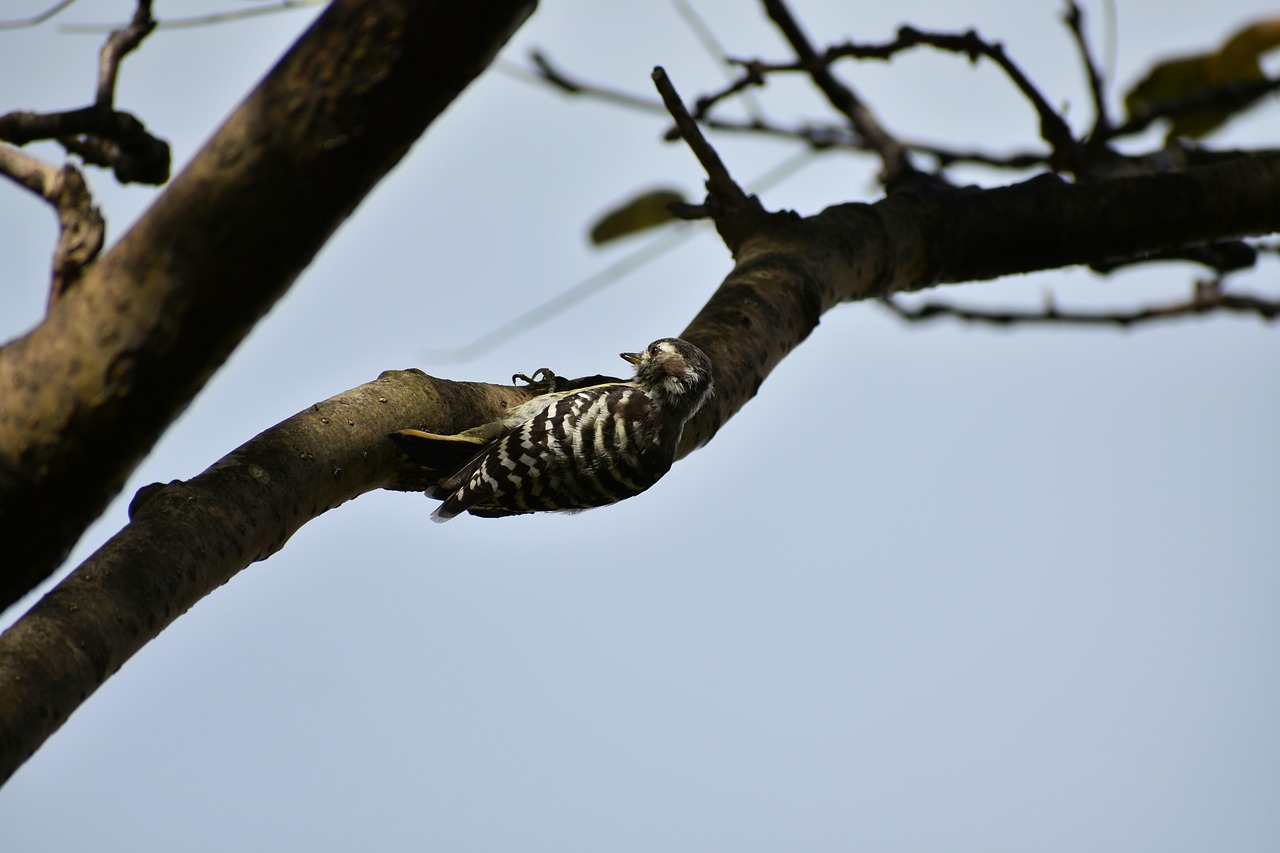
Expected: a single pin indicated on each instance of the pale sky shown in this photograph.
(937, 587)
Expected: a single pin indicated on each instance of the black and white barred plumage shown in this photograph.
(570, 450)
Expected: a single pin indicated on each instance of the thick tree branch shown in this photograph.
(186, 539)
(793, 270)
(86, 394)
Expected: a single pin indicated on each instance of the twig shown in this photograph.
(712, 46)
(1208, 298)
(100, 134)
(894, 157)
(1102, 119)
(818, 136)
(201, 20)
(1053, 128)
(548, 73)
(81, 227)
(720, 184)
(38, 18)
(120, 43)
(109, 138)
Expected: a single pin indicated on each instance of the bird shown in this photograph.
(569, 450)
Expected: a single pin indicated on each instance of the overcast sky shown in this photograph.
(936, 588)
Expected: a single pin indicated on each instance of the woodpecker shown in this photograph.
(570, 450)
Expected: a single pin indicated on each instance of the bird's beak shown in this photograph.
(633, 357)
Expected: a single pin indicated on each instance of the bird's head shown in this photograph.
(676, 371)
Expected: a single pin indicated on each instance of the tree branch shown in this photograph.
(86, 394)
(1207, 300)
(1101, 117)
(120, 43)
(186, 539)
(100, 134)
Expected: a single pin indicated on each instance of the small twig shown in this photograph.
(100, 134)
(548, 73)
(1208, 298)
(81, 227)
(38, 18)
(1097, 86)
(1053, 128)
(951, 156)
(817, 136)
(712, 46)
(120, 43)
(720, 184)
(896, 162)
(201, 20)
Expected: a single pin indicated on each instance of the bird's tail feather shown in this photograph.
(442, 453)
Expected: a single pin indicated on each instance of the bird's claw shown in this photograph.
(543, 381)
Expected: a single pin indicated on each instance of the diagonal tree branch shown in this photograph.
(86, 394)
(187, 539)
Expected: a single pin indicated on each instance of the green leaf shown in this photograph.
(647, 210)
(1184, 77)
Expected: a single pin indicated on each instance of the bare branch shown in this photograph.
(202, 20)
(1053, 129)
(1209, 298)
(107, 138)
(720, 183)
(100, 134)
(553, 76)
(818, 136)
(1102, 119)
(40, 18)
(712, 46)
(896, 162)
(120, 44)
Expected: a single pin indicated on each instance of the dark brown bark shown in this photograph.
(793, 270)
(185, 539)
